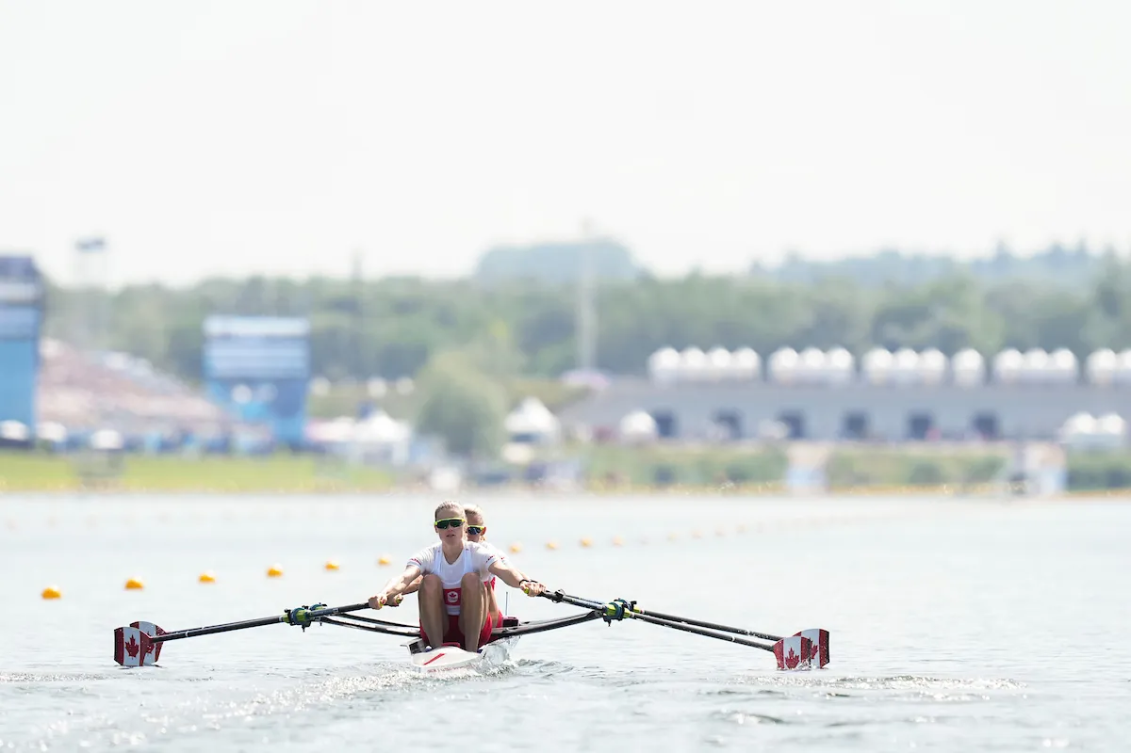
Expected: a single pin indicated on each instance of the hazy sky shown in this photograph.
(235, 137)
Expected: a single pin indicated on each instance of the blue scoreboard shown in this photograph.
(258, 368)
(21, 314)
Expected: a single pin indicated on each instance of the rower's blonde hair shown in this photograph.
(456, 507)
(473, 510)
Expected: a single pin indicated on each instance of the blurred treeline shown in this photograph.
(525, 323)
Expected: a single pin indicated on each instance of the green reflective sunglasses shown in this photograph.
(449, 523)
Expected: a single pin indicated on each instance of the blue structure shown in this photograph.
(21, 314)
(258, 368)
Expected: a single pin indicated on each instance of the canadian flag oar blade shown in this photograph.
(819, 639)
(132, 647)
(794, 652)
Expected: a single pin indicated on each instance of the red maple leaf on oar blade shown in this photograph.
(132, 648)
(792, 659)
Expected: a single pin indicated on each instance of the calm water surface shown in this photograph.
(956, 626)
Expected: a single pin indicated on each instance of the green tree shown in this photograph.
(462, 406)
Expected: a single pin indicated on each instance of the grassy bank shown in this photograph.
(675, 465)
(915, 466)
(850, 470)
(281, 473)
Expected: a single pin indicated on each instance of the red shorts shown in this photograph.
(453, 634)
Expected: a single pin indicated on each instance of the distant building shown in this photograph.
(898, 396)
(21, 316)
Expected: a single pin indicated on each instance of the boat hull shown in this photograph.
(445, 658)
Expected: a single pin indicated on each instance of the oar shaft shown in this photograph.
(576, 601)
(230, 626)
(676, 623)
(711, 625)
(698, 630)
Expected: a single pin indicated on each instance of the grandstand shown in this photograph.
(86, 392)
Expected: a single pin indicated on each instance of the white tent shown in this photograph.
(380, 428)
(532, 421)
(107, 439)
(638, 427)
(14, 431)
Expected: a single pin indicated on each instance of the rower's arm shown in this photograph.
(414, 586)
(508, 574)
(402, 582)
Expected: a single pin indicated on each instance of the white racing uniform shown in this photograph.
(475, 558)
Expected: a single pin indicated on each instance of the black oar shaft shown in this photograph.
(710, 625)
(405, 631)
(676, 624)
(698, 630)
(230, 626)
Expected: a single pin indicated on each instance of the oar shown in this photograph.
(374, 626)
(818, 637)
(619, 609)
(791, 653)
(704, 624)
(140, 644)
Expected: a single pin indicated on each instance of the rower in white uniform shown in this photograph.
(454, 601)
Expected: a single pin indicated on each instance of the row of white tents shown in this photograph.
(1080, 429)
(879, 366)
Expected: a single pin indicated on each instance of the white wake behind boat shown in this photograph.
(426, 660)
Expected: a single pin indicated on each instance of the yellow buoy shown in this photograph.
(332, 565)
(617, 541)
(207, 577)
(133, 584)
(384, 560)
(586, 542)
(516, 548)
(551, 545)
(52, 592)
(275, 571)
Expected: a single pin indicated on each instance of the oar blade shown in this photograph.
(151, 630)
(820, 641)
(794, 652)
(132, 647)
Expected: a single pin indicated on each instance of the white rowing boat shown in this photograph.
(139, 645)
(450, 656)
